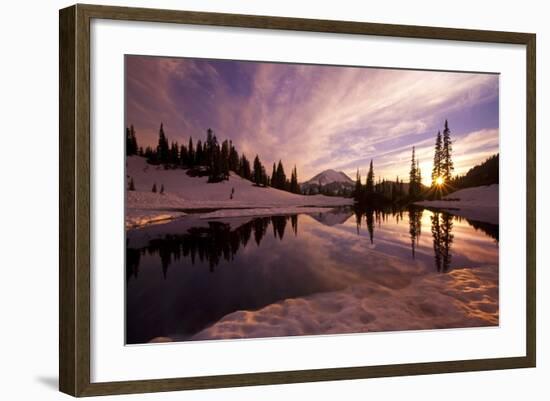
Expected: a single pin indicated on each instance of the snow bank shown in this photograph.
(274, 211)
(184, 192)
(477, 203)
(461, 298)
(138, 218)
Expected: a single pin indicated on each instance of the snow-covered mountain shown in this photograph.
(329, 181)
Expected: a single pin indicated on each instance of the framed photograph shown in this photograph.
(250, 200)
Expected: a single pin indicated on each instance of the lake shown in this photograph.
(343, 271)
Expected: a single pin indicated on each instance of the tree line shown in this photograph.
(394, 191)
(211, 158)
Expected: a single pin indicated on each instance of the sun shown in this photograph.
(439, 181)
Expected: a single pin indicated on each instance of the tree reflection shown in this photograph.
(442, 233)
(212, 244)
(415, 227)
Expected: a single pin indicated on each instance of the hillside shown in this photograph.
(486, 173)
(182, 192)
(476, 203)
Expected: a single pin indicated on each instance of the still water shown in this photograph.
(342, 271)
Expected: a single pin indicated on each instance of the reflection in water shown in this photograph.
(218, 241)
(442, 228)
(185, 275)
(415, 228)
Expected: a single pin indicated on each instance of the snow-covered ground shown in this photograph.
(184, 192)
(258, 212)
(462, 298)
(138, 218)
(477, 203)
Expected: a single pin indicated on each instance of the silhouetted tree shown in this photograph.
(294, 186)
(436, 169)
(233, 158)
(163, 149)
(358, 186)
(447, 166)
(369, 185)
(191, 159)
(154, 188)
(244, 168)
(258, 171)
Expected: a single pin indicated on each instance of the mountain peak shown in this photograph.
(329, 176)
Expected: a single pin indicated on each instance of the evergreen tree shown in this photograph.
(244, 168)
(191, 153)
(216, 165)
(258, 171)
(199, 154)
(294, 187)
(131, 141)
(369, 186)
(131, 186)
(413, 176)
(274, 176)
(224, 159)
(233, 158)
(161, 189)
(436, 169)
(184, 156)
(163, 149)
(154, 188)
(281, 176)
(358, 186)
(447, 166)
(174, 153)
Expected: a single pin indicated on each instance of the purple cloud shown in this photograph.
(315, 117)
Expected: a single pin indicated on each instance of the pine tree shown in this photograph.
(199, 154)
(413, 176)
(244, 168)
(258, 171)
(294, 187)
(131, 141)
(436, 169)
(369, 186)
(184, 156)
(274, 176)
(190, 153)
(131, 186)
(224, 159)
(174, 153)
(162, 147)
(154, 188)
(161, 189)
(358, 186)
(233, 158)
(281, 176)
(447, 166)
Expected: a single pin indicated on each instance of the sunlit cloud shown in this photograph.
(316, 117)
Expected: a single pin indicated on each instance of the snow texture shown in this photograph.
(182, 192)
(328, 177)
(462, 298)
(274, 211)
(477, 203)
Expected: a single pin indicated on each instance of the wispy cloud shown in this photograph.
(315, 117)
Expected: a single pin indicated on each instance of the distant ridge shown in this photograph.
(329, 181)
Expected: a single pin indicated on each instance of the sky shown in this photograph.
(314, 116)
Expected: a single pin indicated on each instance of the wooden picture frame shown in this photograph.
(75, 206)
